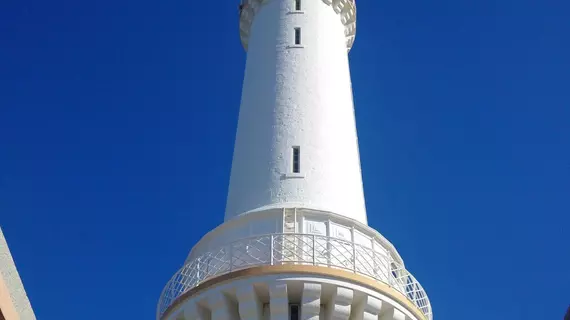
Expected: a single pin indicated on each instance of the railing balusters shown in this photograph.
(314, 254)
(194, 273)
(353, 257)
(271, 249)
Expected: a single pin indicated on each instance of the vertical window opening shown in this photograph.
(297, 35)
(296, 160)
(294, 312)
(298, 5)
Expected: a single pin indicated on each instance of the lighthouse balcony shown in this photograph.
(295, 249)
(345, 9)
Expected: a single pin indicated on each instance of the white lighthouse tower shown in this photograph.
(295, 243)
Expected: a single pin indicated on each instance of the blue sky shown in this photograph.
(117, 121)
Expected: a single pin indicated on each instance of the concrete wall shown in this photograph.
(297, 96)
(14, 302)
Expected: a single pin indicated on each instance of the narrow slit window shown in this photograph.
(294, 312)
(297, 35)
(297, 5)
(296, 160)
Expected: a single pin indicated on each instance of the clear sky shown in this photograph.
(117, 121)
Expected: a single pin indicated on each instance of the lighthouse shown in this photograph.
(295, 242)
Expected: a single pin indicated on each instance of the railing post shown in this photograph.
(374, 270)
(198, 271)
(314, 258)
(353, 254)
(389, 268)
(231, 252)
(271, 249)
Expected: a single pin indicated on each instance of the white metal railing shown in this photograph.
(291, 248)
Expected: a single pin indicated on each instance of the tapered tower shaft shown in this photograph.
(296, 142)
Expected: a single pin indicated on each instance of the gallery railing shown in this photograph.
(301, 249)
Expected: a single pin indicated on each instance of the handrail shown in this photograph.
(294, 248)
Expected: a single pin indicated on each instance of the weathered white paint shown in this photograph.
(191, 310)
(250, 306)
(276, 292)
(392, 314)
(278, 301)
(340, 305)
(296, 95)
(311, 301)
(219, 307)
(367, 309)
